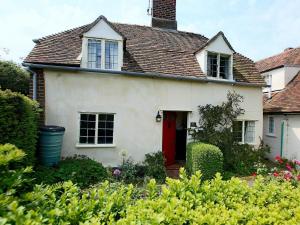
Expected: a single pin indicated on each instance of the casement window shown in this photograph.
(268, 80)
(96, 129)
(218, 65)
(244, 131)
(102, 54)
(271, 125)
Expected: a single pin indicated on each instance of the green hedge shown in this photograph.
(79, 169)
(204, 157)
(184, 201)
(19, 123)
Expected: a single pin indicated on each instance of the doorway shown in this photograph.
(174, 137)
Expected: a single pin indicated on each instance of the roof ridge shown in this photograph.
(278, 54)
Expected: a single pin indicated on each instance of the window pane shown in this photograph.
(249, 131)
(212, 65)
(87, 128)
(105, 128)
(271, 125)
(111, 55)
(224, 66)
(238, 131)
(94, 53)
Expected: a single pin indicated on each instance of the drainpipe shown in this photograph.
(34, 83)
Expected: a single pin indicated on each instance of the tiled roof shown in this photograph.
(148, 50)
(287, 100)
(288, 57)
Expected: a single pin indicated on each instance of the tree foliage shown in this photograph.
(14, 77)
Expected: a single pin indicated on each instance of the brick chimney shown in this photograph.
(164, 14)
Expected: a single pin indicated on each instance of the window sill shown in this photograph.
(221, 79)
(271, 135)
(95, 146)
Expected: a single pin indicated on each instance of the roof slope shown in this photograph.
(148, 50)
(288, 57)
(287, 100)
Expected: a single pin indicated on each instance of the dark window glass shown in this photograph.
(94, 53)
(224, 66)
(212, 65)
(238, 130)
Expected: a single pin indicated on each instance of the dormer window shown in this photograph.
(98, 48)
(218, 65)
(111, 55)
(94, 54)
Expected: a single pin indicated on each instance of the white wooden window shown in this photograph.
(102, 54)
(96, 129)
(268, 80)
(218, 65)
(244, 131)
(271, 125)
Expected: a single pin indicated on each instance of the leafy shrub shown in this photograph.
(184, 201)
(129, 171)
(11, 180)
(14, 77)
(244, 157)
(204, 157)
(19, 123)
(154, 166)
(79, 169)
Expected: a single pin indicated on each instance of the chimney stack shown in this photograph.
(164, 14)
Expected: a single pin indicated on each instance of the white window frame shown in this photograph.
(268, 133)
(103, 56)
(95, 145)
(266, 89)
(243, 132)
(230, 75)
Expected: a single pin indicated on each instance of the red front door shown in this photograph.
(169, 137)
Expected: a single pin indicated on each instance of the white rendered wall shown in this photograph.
(291, 136)
(135, 102)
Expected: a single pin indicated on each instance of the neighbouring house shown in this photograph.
(282, 102)
(120, 87)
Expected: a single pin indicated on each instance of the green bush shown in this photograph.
(184, 201)
(155, 166)
(244, 157)
(204, 157)
(79, 169)
(14, 77)
(19, 123)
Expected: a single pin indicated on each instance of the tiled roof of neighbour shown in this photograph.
(148, 50)
(288, 57)
(287, 100)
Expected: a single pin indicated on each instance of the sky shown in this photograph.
(255, 28)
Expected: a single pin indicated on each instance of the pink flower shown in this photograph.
(116, 172)
(254, 174)
(287, 176)
(289, 167)
(275, 174)
(298, 177)
(279, 159)
(297, 162)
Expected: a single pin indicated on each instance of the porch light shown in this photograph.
(158, 117)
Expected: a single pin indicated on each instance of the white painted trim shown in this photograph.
(78, 145)
(243, 131)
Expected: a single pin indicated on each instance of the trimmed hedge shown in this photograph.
(204, 157)
(19, 123)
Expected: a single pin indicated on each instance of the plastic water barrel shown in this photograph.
(50, 143)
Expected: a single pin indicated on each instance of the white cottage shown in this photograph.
(118, 87)
(282, 103)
